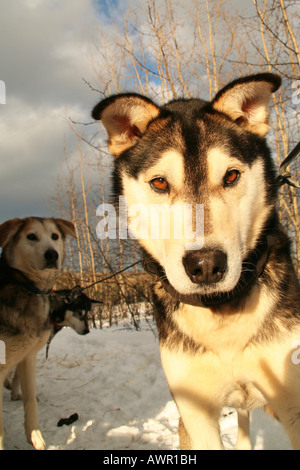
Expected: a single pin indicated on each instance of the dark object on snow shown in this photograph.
(68, 421)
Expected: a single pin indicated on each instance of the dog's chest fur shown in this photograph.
(225, 377)
(215, 351)
(222, 350)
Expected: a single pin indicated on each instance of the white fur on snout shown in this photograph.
(71, 320)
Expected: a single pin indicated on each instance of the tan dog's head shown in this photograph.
(35, 246)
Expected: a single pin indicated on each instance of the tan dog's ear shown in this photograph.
(125, 118)
(66, 227)
(8, 230)
(246, 101)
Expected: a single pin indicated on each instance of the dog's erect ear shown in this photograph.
(125, 118)
(246, 101)
(66, 227)
(8, 230)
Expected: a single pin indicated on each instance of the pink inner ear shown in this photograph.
(124, 125)
(240, 120)
(135, 131)
(249, 106)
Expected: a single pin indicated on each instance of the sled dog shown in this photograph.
(33, 251)
(227, 310)
(71, 311)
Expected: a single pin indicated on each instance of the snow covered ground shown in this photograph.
(113, 379)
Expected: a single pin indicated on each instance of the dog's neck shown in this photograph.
(56, 326)
(31, 282)
(257, 259)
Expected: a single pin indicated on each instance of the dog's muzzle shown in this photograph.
(211, 270)
(51, 257)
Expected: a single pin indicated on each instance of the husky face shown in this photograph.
(190, 153)
(70, 307)
(35, 246)
(77, 320)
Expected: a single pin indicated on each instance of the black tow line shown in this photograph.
(77, 291)
(285, 176)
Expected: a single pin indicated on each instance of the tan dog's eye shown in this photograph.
(54, 236)
(159, 185)
(32, 237)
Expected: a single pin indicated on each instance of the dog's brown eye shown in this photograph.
(32, 237)
(54, 236)
(231, 177)
(159, 185)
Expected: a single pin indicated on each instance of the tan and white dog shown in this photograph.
(33, 252)
(227, 301)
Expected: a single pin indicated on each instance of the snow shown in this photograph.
(113, 379)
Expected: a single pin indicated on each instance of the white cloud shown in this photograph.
(44, 56)
(32, 146)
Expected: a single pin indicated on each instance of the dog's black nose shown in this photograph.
(205, 266)
(51, 255)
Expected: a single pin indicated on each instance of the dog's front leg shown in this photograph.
(195, 392)
(243, 439)
(26, 371)
(186, 443)
(198, 428)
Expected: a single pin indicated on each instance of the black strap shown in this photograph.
(11, 275)
(285, 176)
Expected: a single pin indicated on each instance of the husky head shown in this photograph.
(75, 319)
(35, 246)
(70, 307)
(188, 154)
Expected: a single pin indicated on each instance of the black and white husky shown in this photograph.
(227, 301)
